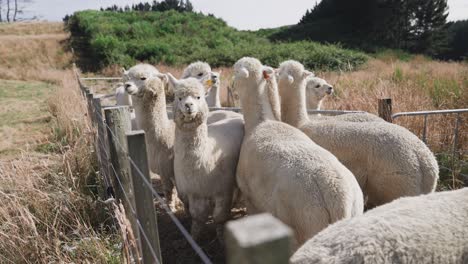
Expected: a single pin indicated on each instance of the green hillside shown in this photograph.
(103, 38)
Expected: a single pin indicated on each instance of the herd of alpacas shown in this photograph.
(314, 173)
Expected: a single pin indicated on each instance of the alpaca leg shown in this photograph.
(199, 211)
(221, 214)
(168, 187)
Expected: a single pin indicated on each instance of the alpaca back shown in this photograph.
(379, 154)
(283, 172)
(425, 229)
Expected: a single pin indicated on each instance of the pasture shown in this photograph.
(54, 208)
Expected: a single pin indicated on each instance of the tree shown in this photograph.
(188, 6)
(413, 25)
(8, 11)
(428, 31)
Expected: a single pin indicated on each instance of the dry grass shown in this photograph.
(31, 28)
(26, 56)
(50, 211)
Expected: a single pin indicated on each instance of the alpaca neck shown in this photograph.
(293, 107)
(313, 103)
(256, 105)
(152, 113)
(213, 97)
(193, 142)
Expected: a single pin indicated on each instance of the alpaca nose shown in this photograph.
(330, 89)
(127, 85)
(214, 77)
(188, 106)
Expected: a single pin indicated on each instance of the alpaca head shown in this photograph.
(202, 71)
(250, 70)
(136, 77)
(190, 107)
(292, 72)
(317, 88)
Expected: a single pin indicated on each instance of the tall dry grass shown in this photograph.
(51, 211)
(31, 28)
(28, 56)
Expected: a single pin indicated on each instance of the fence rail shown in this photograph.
(123, 165)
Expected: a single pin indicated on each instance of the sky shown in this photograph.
(241, 14)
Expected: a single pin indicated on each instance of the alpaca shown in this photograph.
(388, 160)
(280, 170)
(150, 100)
(429, 228)
(317, 89)
(206, 156)
(133, 78)
(123, 98)
(202, 71)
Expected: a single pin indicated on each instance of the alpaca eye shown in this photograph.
(200, 74)
(143, 78)
(180, 98)
(198, 97)
(317, 86)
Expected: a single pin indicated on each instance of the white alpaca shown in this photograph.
(281, 170)
(317, 89)
(388, 160)
(202, 71)
(150, 100)
(425, 229)
(133, 78)
(123, 98)
(206, 156)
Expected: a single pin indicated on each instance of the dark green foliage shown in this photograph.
(166, 5)
(412, 25)
(102, 38)
(457, 41)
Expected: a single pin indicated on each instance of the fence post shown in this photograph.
(146, 212)
(118, 121)
(102, 147)
(385, 109)
(89, 98)
(258, 239)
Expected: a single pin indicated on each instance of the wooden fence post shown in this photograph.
(258, 239)
(102, 147)
(146, 212)
(118, 121)
(385, 109)
(89, 99)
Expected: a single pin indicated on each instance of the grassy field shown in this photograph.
(50, 211)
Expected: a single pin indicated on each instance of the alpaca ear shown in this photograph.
(123, 71)
(244, 73)
(268, 72)
(307, 73)
(172, 80)
(163, 77)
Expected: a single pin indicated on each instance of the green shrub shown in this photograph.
(104, 38)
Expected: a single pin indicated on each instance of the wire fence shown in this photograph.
(126, 178)
(445, 132)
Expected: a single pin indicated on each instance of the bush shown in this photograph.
(103, 38)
